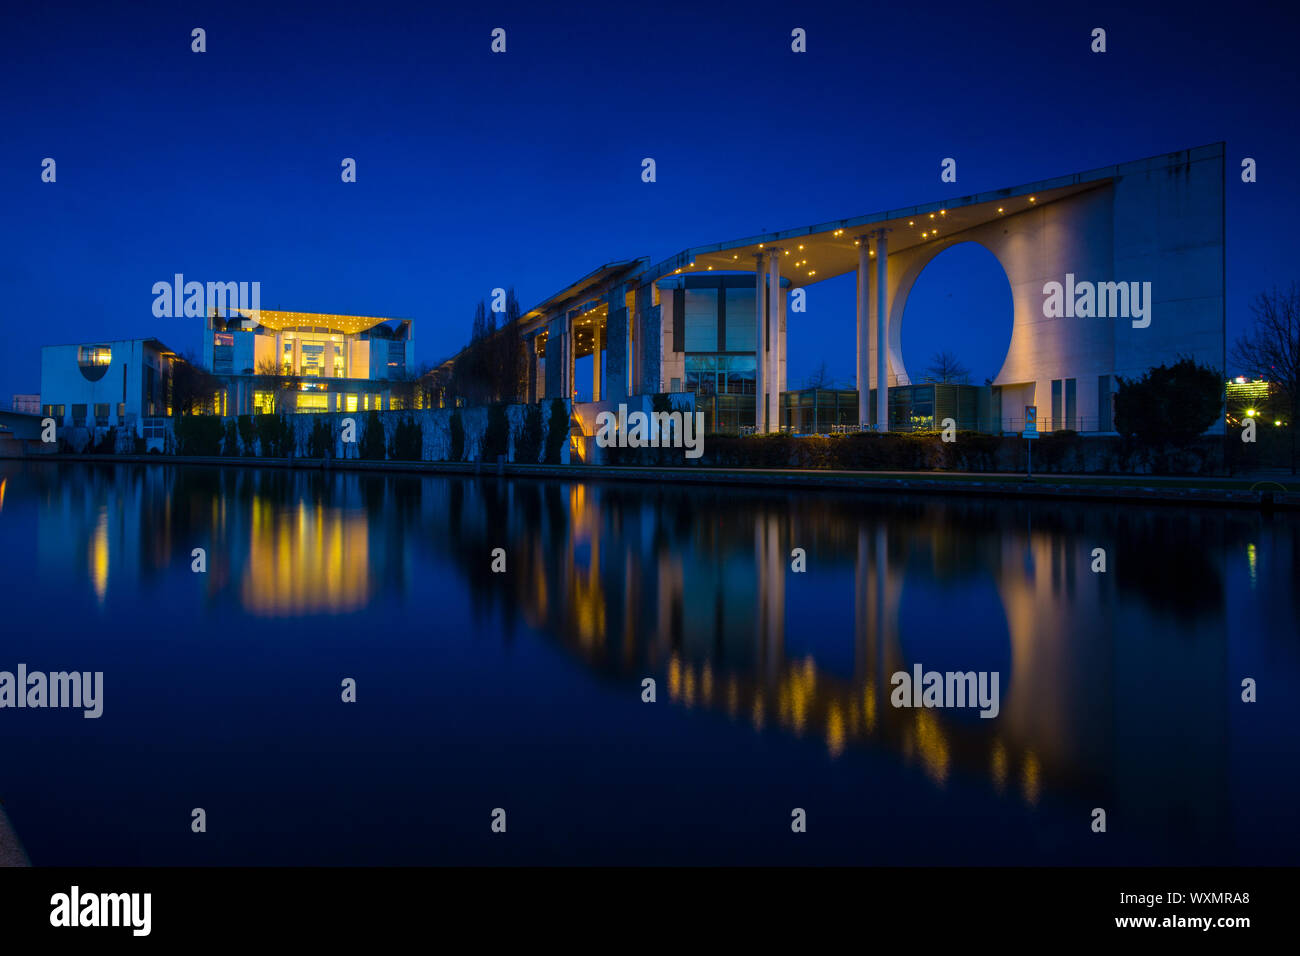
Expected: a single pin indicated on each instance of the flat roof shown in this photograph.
(148, 340)
(348, 324)
(584, 285)
(825, 250)
(829, 249)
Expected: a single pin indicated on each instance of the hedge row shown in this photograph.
(1056, 452)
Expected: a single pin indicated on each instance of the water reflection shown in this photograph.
(305, 561)
(1116, 687)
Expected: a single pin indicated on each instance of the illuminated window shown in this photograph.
(313, 402)
(313, 358)
(93, 360)
(264, 402)
(350, 403)
(94, 355)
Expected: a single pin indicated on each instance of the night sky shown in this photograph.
(477, 170)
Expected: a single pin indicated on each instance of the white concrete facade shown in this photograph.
(105, 385)
(1158, 221)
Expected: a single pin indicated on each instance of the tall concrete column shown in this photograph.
(774, 340)
(530, 355)
(617, 363)
(882, 330)
(864, 330)
(597, 336)
(568, 357)
(760, 346)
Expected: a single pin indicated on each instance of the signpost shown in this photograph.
(1030, 433)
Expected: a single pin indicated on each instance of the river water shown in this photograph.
(522, 690)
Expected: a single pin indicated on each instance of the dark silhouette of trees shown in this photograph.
(280, 380)
(193, 387)
(1271, 351)
(1170, 404)
(491, 368)
(946, 370)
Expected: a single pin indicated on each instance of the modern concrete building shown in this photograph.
(336, 362)
(1111, 271)
(121, 384)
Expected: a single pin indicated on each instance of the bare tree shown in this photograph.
(1271, 350)
(281, 380)
(945, 369)
(820, 378)
(193, 387)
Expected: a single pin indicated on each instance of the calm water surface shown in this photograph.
(522, 690)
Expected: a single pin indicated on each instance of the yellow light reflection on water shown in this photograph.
(835, 735)
(1031, 778)
(933, 746)
(869, 705)
(1250, 560)
(99, 557)
(1000, 765)
(306, 562)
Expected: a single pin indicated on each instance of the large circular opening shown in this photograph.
(957, 322)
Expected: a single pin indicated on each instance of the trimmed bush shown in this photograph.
(408, 441)
(496, 438)
(528, 438)
(275, 435)
(106, 445)
(198, 434)
(247, 434)
(230, 441)
(371, 446)
(557, 431)
(457, 428)
(320, 443)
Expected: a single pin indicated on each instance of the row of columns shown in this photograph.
(768, 340)
(865, 326)
(560, 358)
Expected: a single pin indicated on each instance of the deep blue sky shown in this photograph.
(478, 170)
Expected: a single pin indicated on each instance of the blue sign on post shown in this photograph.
(1031, 431)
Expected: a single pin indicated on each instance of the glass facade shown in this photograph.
(1064, 405)
(714, 325)
(701, 311)
(720, 374)
(740, 320)
(726, 414)
(816, 411)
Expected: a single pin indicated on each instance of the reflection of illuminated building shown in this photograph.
(305, 561)
(698, 595)
(99, 556)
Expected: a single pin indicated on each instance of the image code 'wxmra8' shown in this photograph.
(776, 439)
